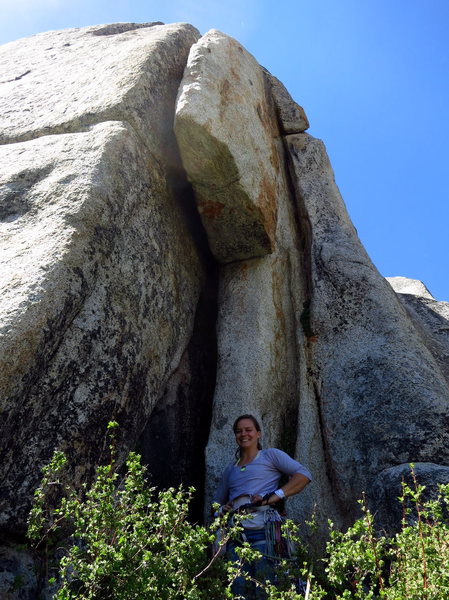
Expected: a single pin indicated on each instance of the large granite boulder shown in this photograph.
(404, 285)
(387, 490)
(382, 397)
(100, 272)
(226, 98)
(224, 125)
(291, 116)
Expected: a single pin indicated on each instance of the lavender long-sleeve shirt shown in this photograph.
(260, 476)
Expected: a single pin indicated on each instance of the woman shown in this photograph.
(254, 477)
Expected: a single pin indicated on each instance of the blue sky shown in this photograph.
(373, 77)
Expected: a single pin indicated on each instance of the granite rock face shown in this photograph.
(63, 81)
(18, 580)
(129, 293)
(291, 116)
(224, 125)
(429, 316)
(258, 297)
(100, 272)
(100, 285)
(403, 285)
(379, 390)
(387, 488)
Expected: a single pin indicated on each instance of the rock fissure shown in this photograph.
(303, 225)
(179, 425)
(330, 474)
(16, 78)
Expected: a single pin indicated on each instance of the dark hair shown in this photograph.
(256, 425)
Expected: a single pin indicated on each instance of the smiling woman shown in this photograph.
(254, 479)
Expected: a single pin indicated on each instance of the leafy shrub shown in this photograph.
(122, 540)
(413, 565)
(126, 540)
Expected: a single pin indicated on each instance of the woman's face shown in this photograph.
(246, 434)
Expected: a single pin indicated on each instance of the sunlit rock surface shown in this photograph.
(379, 390)
(429, 316)
(225, 126)
(100, 271)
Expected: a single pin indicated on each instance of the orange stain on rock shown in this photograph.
(268, 203)
(212, 209)
(243, 267)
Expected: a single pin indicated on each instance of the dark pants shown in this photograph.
(261, 570)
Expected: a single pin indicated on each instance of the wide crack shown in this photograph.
(173, 442)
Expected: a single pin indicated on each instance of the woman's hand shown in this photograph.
(225, 508)
(256, 498)
(271, 500)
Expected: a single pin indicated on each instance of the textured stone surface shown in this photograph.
(100, 274)
(17, 577)
(61, 81)
(103, 259)
(224, 125)
(387, 488)
(404, 285)
(99, 286)
(292, 117)
(259, 299)
(255, 370)
(259, 341)
(430, 317)
(382, 399)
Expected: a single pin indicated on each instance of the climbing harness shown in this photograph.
(278, 543)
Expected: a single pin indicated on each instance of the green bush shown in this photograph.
(412, 565)
(119, 539)
(126, 540)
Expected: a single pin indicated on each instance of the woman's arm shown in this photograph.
(294, 485)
